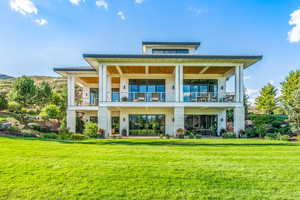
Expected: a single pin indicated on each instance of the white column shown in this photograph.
(241, 83)
(100, 90)
(104, 120)
(222, 87)
(181, 83)
(71, 90)
(237, 83)
(177, 87)
(222, 121)
(104, 83)
(178, 119)
(238, 119)
(71, 120)
(124, 122)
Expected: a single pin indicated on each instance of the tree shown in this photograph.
(290, 84)
(50, 112)
(23, 91)
(293, 111)
(267, 101)
(3, 101)
(43, 94)
(90, 129)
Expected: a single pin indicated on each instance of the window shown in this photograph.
(94, 119)
(146, 125)
(94, 96)
(195, 88)
(204, 124)
(147, 90)
(170, 51)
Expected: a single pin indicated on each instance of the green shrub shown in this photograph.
(49, 135)
(284, 137)
(191, 136)
(228, 135)
(78, 136)
(35, 127)
(14, 129)
(272, 136)
(14, 106)
(90, 129)
(198, 136)
(29, 135)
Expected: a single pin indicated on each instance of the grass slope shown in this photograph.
(149, 169)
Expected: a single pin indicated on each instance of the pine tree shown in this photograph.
(289, 86)
(266, 102)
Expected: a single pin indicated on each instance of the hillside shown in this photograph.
(4, 77)
(57, 83)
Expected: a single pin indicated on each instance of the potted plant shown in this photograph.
(101, 133)
(180, 133)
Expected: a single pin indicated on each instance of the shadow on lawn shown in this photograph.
(158, 142)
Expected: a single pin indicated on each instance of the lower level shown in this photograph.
(152, 121)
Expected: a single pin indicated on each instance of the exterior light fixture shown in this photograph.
(173, 119)
(124, 86)
(124, 119)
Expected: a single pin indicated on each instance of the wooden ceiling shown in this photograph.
(206, 70)
(90, 80)
(141, 69)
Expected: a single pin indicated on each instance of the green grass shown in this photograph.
(149, 169)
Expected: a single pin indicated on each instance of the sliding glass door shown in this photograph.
(204, 124)
(149, 90)
(146, 125)
(200, 90)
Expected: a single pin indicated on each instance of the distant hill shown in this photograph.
(58, 83)
(4, 77)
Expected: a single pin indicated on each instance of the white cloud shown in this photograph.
(76, 2)
(121, 14)
(196, 11)
(41, 21)
(138, 1)
(102, 3)
(294, 34)
(23, 6)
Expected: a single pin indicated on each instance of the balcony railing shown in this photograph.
(208, 97)
(137, 97)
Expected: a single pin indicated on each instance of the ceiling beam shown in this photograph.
(204, 70)
(119, 70)
(147, 69)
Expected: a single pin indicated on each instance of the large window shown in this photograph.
(147, 90)
(146, 125)
(204, 124)
(170, 51)
(200, 89)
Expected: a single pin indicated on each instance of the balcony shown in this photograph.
(164, 97)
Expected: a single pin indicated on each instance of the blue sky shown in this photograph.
(37, 35)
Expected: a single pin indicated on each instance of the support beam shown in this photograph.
(71, 90)
(177, 88)
(204, 70)
(237, 83)
(178, 119)
(71, 120)
(222, 121)
(119, 70)
(147, 69)
(238, 119)
(242, 84)
(104, 120)
(181, 77)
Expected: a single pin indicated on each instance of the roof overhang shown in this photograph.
(96, 59)
(74, 70)
(194, 45)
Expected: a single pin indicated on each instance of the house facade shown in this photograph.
(166, 88)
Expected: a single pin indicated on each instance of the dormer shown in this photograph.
(170, 47)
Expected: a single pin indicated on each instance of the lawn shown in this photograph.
(149, 169)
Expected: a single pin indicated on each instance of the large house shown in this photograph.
(166, 88)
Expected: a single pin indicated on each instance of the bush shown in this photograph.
(14, 129)
(228, 135)
(272, 136)
(198, 136)
(90, 129)
(35, 127)
(50, 112)
(49, 136)
(14, 106)
(251, 132)
(64, 134)
(78, 136)
(284, 137)
(29, 135)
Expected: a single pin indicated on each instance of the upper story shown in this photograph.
(165, 74)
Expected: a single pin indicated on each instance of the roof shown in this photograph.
(82, 68)
(196, 44)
